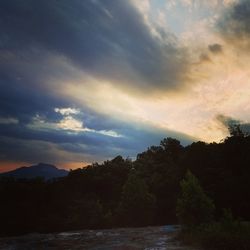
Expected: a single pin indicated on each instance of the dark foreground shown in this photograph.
(148, 238)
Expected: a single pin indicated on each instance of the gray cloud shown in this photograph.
(105, 38)
(19, 143)
(228, 122)
(234, 24)
(215, 48)
(204, 58)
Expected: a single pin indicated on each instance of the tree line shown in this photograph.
(125, 193)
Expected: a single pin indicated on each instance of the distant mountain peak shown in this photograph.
(44, 170)
(44, 166)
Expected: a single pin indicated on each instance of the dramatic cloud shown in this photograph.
(84, 81)
(107, 39)
(234, 24)
(31, 144)
(56, 59)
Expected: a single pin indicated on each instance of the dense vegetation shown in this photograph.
(195, 211)
(122, 192)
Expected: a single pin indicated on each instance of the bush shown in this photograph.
(227, 234)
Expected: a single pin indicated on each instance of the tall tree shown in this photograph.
(194, 207)
(137, 204)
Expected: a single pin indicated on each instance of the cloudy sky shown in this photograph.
(85, 80)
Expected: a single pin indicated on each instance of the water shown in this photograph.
(147, 238)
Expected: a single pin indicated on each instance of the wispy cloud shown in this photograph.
(8, 120)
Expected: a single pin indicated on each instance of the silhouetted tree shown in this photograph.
(121, 192)
(172, 147)
(194, 207)
(137, 204)
(236, 131)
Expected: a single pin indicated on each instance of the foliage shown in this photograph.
(194, 207)
(121, 192)
(137, 204)
(236, 131)
(233, 234)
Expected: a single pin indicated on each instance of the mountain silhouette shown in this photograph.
(44, 170)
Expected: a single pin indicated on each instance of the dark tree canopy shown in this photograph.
(122, 192)
(194, 207)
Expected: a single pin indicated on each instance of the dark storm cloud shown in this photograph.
(215, 48)
(234, 24)
(106, 38)
(23, 102)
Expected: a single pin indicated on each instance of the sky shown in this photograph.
(85, 81)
